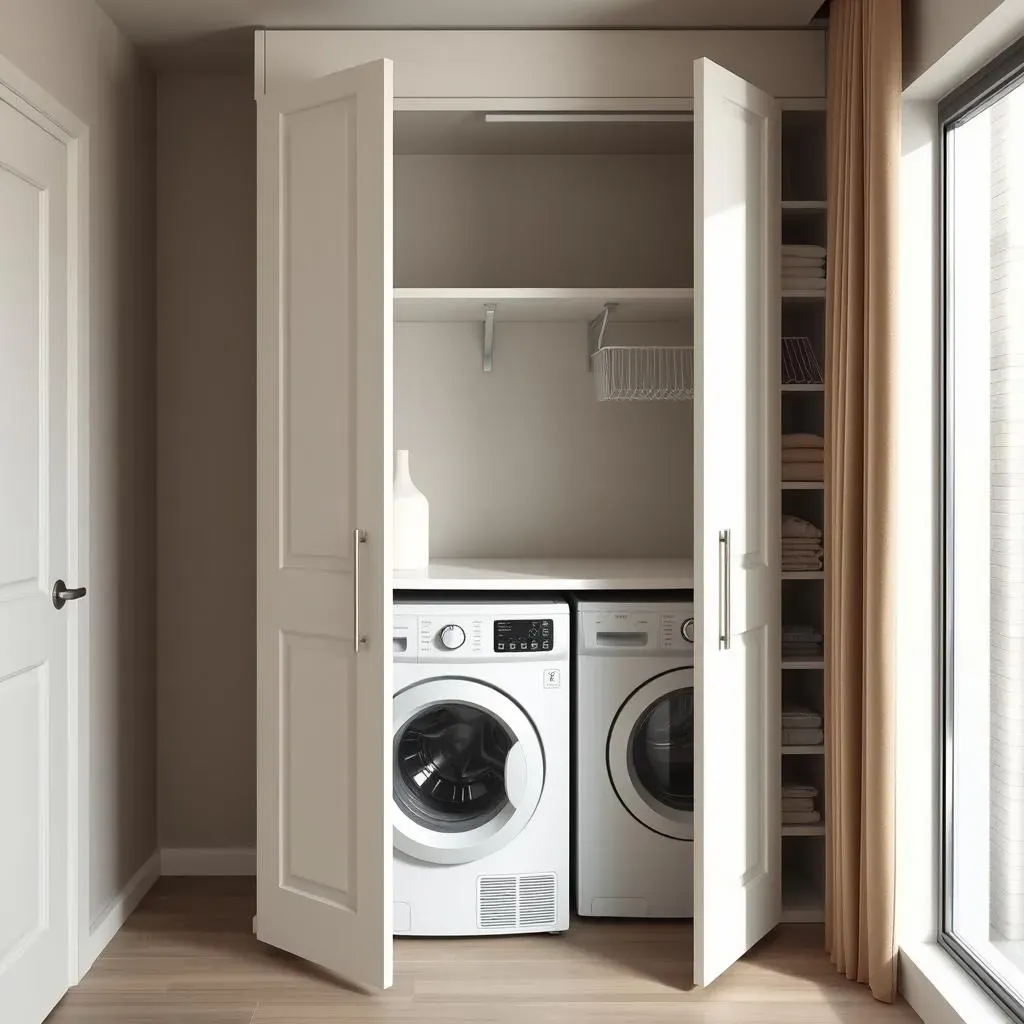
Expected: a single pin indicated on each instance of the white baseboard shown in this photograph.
(232, 860)
(117, 911)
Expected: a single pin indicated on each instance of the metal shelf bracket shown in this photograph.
(595, 332)
(489, 309)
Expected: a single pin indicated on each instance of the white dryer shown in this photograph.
(634, 759)
(481, 767)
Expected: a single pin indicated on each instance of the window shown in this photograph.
(982, 919)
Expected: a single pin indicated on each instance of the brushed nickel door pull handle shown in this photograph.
(358, 538)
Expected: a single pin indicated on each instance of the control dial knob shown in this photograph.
(452, 637)
(686, 629)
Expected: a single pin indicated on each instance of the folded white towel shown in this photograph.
(804, 283)
(797, 803)
(803, 441)
(803, 454)
(799, 789)
(803, 737)
(803, 472)
(794, 526)
(800, 711)
(790, 260)
(801, 720)
(804, 250)
(801, 818)
(801, 273)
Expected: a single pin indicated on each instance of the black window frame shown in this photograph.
(978, 93)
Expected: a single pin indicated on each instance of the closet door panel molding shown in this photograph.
(546, 63)
(736, 457)
(323, 535)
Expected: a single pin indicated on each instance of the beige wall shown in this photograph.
(931, 27)
(74, 52)
(524, 462)
(206, 459)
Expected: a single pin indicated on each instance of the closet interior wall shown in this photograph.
(523, 461)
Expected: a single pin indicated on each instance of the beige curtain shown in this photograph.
(864, 83)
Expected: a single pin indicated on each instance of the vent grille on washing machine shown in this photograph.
(517, 901)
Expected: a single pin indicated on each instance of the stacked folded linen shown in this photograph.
(798, 805)
(803, 267)
(801, 727)
(803, 457)
(802, 550)
(800, 642)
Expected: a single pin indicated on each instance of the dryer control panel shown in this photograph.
(636, 630)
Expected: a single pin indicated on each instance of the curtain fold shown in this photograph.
(863, 126)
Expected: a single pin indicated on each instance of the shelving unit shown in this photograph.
(797, 665)
(803, 830)
(469, 305)
(558, 574)
(804, 221)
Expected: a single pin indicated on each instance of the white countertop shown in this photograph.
(550, 574)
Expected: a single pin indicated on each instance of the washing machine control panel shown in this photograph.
(456, 635)
(521, 636)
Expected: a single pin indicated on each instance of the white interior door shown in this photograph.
(34, 527)
(324, 529)
(737, 712)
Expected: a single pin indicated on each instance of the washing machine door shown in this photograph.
(650, 754)
(468, 770)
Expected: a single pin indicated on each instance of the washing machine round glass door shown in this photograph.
(468, 770)
(650, 753)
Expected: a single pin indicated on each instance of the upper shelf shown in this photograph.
(550, 574)
(453, 305)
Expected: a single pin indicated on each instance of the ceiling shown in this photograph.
(182, 30)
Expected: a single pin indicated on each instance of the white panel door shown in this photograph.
(34, 527)
(324, 528)
(736, 544)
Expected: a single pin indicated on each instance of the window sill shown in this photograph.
(940, 992)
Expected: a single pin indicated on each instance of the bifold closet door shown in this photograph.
(324, 379)
(736, 467)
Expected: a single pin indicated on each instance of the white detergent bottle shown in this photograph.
(412, 519)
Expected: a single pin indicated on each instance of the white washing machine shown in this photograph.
(481, 767)
(634, 759)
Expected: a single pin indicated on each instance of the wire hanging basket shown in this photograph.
(799, 362)
(625, 373)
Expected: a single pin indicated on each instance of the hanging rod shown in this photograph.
(595, 331)
(489, 310)
(622, 117)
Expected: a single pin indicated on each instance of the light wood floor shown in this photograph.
(188, 956)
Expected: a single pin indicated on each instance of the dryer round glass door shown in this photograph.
(650, 754)
(468, 770)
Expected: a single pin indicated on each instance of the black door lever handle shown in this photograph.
(62, 593)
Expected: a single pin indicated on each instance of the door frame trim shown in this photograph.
(23, 94)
